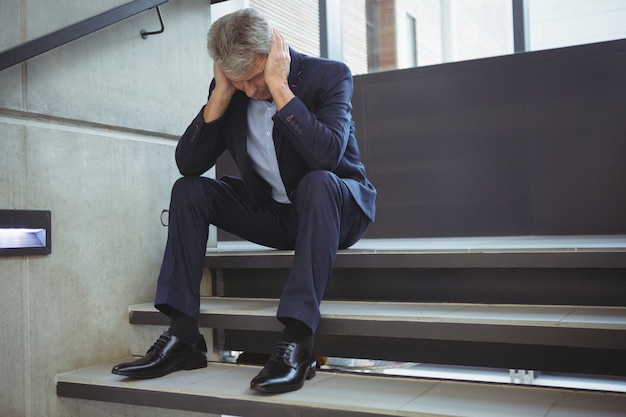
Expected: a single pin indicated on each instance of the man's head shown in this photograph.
(239, 42)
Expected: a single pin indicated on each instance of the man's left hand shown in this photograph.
(277, 70)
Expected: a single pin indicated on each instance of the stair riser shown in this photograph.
(537, 286)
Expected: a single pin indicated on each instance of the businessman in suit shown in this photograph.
(285, 119)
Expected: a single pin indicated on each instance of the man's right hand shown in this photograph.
(222, 82)
(220, 96)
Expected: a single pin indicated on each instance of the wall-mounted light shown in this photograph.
(25, 232)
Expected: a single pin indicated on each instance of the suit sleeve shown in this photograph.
(200, 146)
(320, 134)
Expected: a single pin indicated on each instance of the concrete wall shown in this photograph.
(88, 131)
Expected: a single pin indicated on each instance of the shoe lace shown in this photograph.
(163, 340)
(283, 353)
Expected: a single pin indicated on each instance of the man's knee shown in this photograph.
(187, 190)
(183, 186)
(318, 180)
(318, 187)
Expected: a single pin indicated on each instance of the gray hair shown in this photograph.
(235, 40)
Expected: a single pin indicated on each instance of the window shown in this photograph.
(380, 35)
(372, 36)
(411, 32)
(558, 23)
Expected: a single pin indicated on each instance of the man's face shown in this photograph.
(253, 81)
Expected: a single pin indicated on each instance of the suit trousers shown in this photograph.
(322, 218)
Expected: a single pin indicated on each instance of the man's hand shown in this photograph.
(223, 85)
(277, 70)
(220, 97)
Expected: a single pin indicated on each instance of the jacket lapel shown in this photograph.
(256, 188)
(239, 129)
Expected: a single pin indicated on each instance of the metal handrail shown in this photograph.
(60, 37)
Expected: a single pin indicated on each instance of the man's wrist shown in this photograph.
(216, 105)
(281, 95)
(222, 95)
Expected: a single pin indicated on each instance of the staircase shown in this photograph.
(530, 304)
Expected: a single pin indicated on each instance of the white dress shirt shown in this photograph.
(261, 148)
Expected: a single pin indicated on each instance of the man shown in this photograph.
(285, 119)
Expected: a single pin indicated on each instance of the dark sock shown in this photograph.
(298, 332)
(184, 327)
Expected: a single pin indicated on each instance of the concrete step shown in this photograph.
(546, 270)
(223, 389)
(571, 326)
(601, 251)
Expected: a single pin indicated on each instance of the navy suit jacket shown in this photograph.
(314, 131)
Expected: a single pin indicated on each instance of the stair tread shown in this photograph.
(468, 252)
(607, 243)
(484, 314)
(223, 388)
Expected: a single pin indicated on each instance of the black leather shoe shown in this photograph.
(167, 355)
(286, 370)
